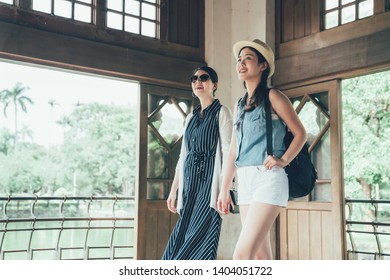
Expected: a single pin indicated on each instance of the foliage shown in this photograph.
(366, 126)
(6, 140)
(17, 98)
(24, 181)
(96, 157)
(100, 145)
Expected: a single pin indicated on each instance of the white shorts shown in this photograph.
(257, 184)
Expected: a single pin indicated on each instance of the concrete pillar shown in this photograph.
(229, 21)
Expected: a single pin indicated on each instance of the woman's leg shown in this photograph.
(254, 240)
(265, 250)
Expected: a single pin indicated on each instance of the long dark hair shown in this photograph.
(262, 87)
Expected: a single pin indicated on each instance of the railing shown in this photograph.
(67, 227)
(369, 238)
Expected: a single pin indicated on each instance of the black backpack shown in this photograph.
(301, 172)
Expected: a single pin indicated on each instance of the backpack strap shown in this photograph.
(268, 123)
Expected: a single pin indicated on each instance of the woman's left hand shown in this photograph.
(272, 161)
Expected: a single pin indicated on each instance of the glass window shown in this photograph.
(135, 16)
(139, 16)
(114, 20)
(80, 10)
(313, 111)
(366, 9)
(42, 6)
(133, 7)
(116, 5)
(331, 4)
(331, 19)
(63, 9)
(82, 13)
(148, 11)
(165, 130)
(7, 1)
(348, 14)
(131, 24)
(157, 190)
(148, 29)
(342, 12)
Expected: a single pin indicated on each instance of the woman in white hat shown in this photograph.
(262, 181)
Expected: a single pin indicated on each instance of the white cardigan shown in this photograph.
(225, 132)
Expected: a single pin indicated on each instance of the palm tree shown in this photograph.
(16, 97)
(51, 103)
(64, 121)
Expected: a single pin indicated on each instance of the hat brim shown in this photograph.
(267, 53)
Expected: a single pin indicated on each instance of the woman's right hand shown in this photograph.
(171, 202)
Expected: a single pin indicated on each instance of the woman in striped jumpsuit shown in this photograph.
(198, 174)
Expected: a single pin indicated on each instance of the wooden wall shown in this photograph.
(308, 58)
(307, 54)
(300, 18)
(27, 35)
(185, 24)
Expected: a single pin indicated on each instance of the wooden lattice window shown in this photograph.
(134, 16)
(166, 118)
(11, 2)
(80, 10)
(339, 12)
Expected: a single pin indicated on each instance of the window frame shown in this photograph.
(139, 17)
(22, 14)
(339, 8)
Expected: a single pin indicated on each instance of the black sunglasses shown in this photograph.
(201, 78)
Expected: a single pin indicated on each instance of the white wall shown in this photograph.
(229, 21)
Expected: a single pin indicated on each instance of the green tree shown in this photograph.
(26, 133)
(24, 181)
(367, 136)
(6, 141)
(99, 148)
(52, 103)
(65, 122)
(97, 157)
(24, 170)
(15, 96)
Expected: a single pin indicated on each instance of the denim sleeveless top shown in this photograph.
(251, 136)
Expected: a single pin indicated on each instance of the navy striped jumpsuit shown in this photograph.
(196, 233)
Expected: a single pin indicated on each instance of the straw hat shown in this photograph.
(262, 48)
